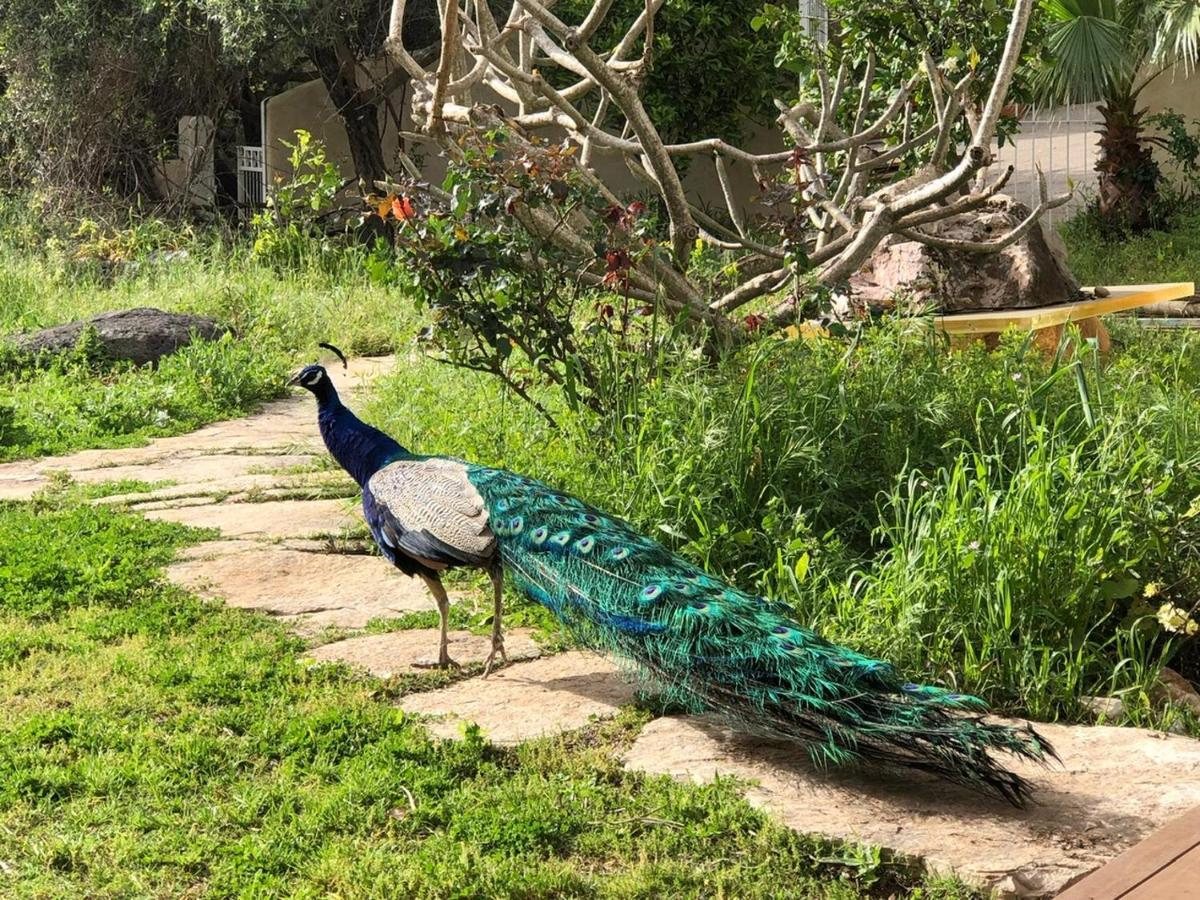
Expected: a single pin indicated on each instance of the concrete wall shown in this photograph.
(1174, 89)
(307, 106)
(1062, 142)
(191, 176)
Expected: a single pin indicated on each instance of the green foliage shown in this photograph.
(295, 222)
(504, 299)
(1147, 258)
(958, 37)
(154, 744)
(79, 401)
(850, 481)
(277, 317)
(710, 70)
(1179, 138)
(87, 556)
(93, 91)
(1100, 51)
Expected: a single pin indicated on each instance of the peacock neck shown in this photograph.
(359, 448)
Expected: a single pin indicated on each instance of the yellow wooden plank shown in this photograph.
(1123, 297)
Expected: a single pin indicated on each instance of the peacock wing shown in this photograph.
(428, 511)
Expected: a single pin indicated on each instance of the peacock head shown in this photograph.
(311, 378)
(314, 378)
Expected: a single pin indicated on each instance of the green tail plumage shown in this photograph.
(712, 647)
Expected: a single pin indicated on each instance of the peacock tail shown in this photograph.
(709, 646)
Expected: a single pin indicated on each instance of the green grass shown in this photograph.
(277, 318)
(1143, 259)
(155, 745)
(954, 513)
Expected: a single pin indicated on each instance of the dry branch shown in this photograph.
(833, 184)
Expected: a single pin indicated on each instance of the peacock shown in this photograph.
(707, 645)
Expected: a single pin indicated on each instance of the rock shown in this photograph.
(1030, 272)
(346, 591)
(385, 655)
(140, 335)
(1113, 788)
(270, 519)
(1174, 688)
(528, 700)
(1108, 708)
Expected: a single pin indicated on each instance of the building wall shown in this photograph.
(1061, 141)
(1174, 89)
(308, 106)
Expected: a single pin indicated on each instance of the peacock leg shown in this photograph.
(497, 576)
(443, 604)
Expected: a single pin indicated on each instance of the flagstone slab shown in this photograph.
(527, 700)
(271, 519)
(325, 589)
(385, 655)
(1114, 787)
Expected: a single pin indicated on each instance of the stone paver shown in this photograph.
(347, 591)
(385, 655)
(527, 700)
(271, 519)
(1115, 786)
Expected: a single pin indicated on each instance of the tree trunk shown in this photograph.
(357, 107)
(1128, 184)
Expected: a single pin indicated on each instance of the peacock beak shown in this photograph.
(294, 381)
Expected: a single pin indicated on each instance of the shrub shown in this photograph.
(991, 519)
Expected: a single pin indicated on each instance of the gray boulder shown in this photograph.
(140, 335)
(1028, 273)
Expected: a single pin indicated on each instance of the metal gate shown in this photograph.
(1063, 142)
(251, 179)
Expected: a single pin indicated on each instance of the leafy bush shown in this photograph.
(990, 518)
(503, 298)
(293, 227)
(710, 70)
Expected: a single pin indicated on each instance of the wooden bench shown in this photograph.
(1048, 322)
(1165, 866)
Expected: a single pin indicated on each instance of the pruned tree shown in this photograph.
(835, 191)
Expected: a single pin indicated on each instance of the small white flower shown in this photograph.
(1016, 376)
(1173, 618)
(974, 545)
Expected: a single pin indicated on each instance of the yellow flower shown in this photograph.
(1152, 589)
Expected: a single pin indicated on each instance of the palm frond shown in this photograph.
(1177, 37)
(1089, 51)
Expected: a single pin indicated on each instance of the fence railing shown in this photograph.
(251, 178)
(1063, 142)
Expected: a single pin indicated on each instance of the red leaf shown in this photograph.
(402, 209)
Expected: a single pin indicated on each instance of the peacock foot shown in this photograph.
(497, 648)
(442, 662)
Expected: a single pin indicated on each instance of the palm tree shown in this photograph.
(1106, 52)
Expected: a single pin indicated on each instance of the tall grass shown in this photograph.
(277, 318)
(990, 520)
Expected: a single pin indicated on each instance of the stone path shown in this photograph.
(290, 548)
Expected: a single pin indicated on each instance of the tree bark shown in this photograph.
(357, 107)
(1128, 183)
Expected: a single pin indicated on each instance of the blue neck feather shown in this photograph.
(359, 449)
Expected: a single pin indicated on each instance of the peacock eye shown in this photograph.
(312, 377)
